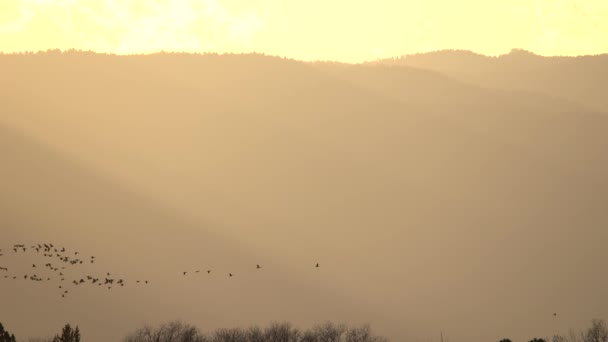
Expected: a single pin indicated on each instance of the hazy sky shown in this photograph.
(344, 30)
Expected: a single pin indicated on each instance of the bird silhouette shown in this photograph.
(73, 262)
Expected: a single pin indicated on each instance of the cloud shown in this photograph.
(134, 26)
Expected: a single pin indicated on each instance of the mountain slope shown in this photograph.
(47, 198)
(580, 79)
(432, 202)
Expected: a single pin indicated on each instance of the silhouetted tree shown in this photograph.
(597, 332)
(168, 332)
(506, 340)
(68, 335)
(537, 340)
(229, 335)
(329, 332)
(275, 332)
(5, 336)
(309, 336)
(363, 334)
(281, 332)
(255, 334)
(559, 338)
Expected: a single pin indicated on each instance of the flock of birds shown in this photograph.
(63, 261)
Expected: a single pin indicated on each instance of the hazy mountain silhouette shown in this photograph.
(583, 79)
(434, 202)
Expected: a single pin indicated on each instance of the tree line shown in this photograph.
(596, 332)
(178, 331)
(68, 334)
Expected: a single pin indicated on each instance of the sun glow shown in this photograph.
(340, 30)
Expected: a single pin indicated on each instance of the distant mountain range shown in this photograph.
(582, 79)
(440, 192)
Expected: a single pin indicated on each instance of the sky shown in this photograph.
(349, 31)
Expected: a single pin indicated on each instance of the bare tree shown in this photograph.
(573, 336)
(169, 332)
(309, 336)
(363, 334)
(329, 332)
(597, 332)
(229, 335)
(255, 334)
(275, 332)
(281, 332)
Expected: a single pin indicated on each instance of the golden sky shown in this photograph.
(346, 30)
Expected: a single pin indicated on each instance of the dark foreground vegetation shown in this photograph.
(68, 334)
(182, 332)
(178, 331)
(275, 332)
